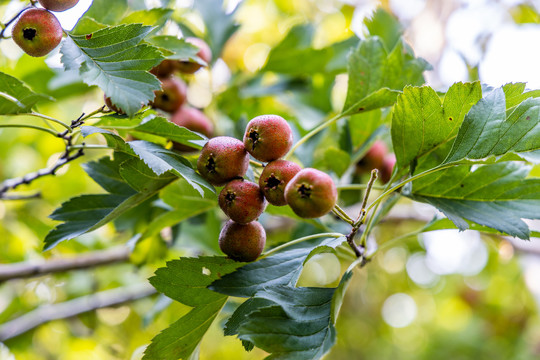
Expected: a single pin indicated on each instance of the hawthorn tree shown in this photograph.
(467, 152)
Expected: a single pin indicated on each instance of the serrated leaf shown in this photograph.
(113, 59)
(298, 326)
(497, 196)
(279, 269)
(156, 17)
(154, 156)
(107, 11)
(219, 25)
(487, 130)
(376, 76)
(185, 202)
(445, 223)
(86, 25)
(384, 25)
(422, 121)
(16, 97)
(176, 49)
(167, 129)
(185, 280)
(106, 173)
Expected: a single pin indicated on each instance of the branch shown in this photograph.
(5, 26)
(74, 307)
(96, 258)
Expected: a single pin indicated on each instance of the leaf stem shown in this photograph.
(299, 240)
(35, 127)
(91, 147)
(313, 133)
(359, 187)
(48, 118)
(340, 213)
(361, 216)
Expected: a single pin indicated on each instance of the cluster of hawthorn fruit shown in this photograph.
(224, 161)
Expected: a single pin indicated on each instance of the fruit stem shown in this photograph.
(361, 217)
(340, 213)
(312, 133)
(299, 240)
(256, 163)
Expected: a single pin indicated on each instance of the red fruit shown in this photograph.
(204, 53)
(172, 95)
(37, 32)
(268, 137)
(58, 5)
(275, 177)
(165, 68)
(373, 158)
(194, 120)
(111, 106)
(242, 201)
(222, 159)
(311, 193)
(242, 242)
(387, 167)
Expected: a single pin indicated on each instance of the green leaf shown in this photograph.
(384, 25)
(297, 48)
(16, 97)
(167, 129)
(176, 49)
(298, 326)
(422, 122)
(445, 223)
(282, 268)
(114, 60)
(487, 130)
(87, 25)
(497, 196)
(337, 160)
(185, 202)
(374, 73)
(107, 11)
(154, 156)
(185, 280)
(156, 17)
(219, 25)
(106, 172)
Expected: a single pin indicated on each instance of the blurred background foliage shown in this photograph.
(442, 295)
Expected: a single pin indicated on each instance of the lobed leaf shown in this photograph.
(113, 59)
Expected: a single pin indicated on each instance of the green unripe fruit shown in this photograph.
(275, 177)
(242, 242)
(268, 137)
(223, 159)
(311, 193)
(58, 5)
(37, 32)
(242, 201)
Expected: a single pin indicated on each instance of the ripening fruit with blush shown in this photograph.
(387, 167)
(311, 193)
(37, 32)
(165, 68)
(242, 242)
(242, 201)
(58, 5)
(189, 67)
(373, 159)
(275, 177)
(194, 120)
(172, 95)
(268, 137)
(222, 159)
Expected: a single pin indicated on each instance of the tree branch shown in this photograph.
(96, 258)
(73, 307)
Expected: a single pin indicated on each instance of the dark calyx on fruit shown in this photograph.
(268, 137)
(242, 201)
(58, 5)
(172, 95)
(37, 32)
(222, 159)
(311, 193)
(275, 177)
(242, 242)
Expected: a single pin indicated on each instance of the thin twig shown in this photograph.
(96, 258)
(73, 307)
(362, 214)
